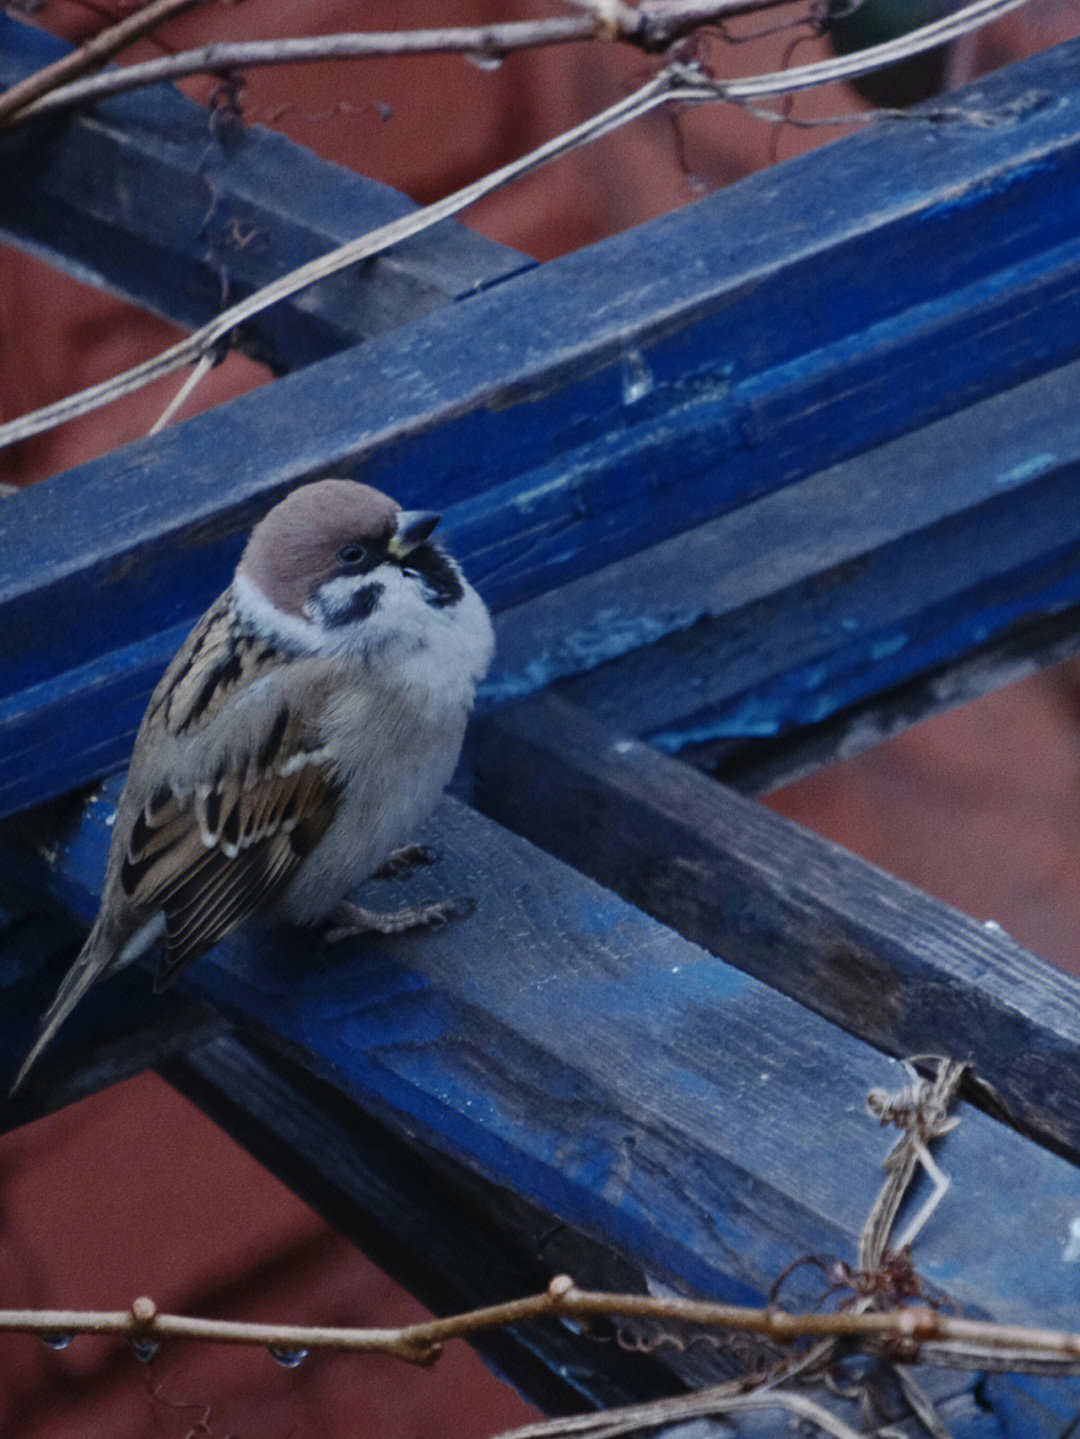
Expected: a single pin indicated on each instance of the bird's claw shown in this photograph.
(350, 920)
(402, 862)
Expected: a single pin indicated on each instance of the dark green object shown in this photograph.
(856, 27)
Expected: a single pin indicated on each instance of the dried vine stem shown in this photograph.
(922, 1112)
(94, 52)
(723, 1399)
(656, 29)
(651, 26)
(680, 83)
(673, 83)
(915, 1330)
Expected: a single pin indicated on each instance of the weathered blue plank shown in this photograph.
(184, 210)
(602, 402)
(893, 966)
(769, 618)
(1024, 1405)
(390, 1196)
(789, 609)
(567, 1047)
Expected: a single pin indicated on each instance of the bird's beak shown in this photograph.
(413, 528)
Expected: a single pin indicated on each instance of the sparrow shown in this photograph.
(302, 733)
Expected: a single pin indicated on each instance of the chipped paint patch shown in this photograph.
(637, 378)
(888, 645)
(1027, 469)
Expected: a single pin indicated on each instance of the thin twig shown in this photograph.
(920, 1403)
(205, 364)
(676, 83)
(492, 41)
(874, 57)
(658, 24)
(669, 84)
(916, 1330)
(89, 56)
(923, 1113)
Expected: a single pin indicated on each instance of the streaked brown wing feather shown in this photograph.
(209, 668)
(236, 890)
(213, 896)
(212, 859)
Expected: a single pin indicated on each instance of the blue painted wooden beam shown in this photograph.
(391, 1196)
(760, 623)
(586, 409)
(775, 616)
(886, 962)
(570, 1049)
(184, 210)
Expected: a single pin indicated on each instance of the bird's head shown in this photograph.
(339, 568)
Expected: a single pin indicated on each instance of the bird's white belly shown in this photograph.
(396, 735)
(387, 801)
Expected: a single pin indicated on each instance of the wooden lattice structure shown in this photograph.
(786, 469)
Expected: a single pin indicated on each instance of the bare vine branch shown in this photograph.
(914, 1331)
(922, 1112)
(721, 1399)
(672, 83)
(94, 52)
(685, 84)
(653, 26)
(658, 27)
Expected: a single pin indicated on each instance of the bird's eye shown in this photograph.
(352, 555)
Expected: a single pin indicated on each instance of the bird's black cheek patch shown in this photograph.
(442, 582)
(358, 606)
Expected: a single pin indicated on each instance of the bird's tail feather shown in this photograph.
(92, 961)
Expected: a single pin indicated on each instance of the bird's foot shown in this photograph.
(349, 920)
(402, 862)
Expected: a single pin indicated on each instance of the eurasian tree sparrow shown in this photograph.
(303, 732)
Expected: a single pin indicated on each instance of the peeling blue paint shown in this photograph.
(638, 380)
(1027, 469)
(887, 645)
(871, 665)
(609, 634)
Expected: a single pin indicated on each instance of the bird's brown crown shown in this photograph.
(296, 546)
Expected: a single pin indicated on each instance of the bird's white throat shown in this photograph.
(441, 652)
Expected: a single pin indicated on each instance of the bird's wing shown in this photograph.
(209, 670)
(210, 859)
(210, 856)
(206, 857)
